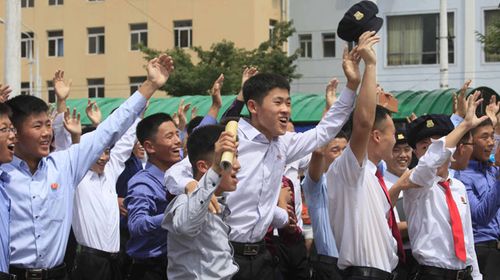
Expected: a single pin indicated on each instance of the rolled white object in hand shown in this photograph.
(226, 161)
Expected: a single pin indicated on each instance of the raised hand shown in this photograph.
(93, 113)
(159, 70)
(181, 114)
(4, 93)
(471, 120)
(61, 87)
(194, 112)
(215, 92)
(330, 92)
(461, 99)
(72, 124)
(492, 110)
(350, 65)
(365, 47)
(248, 72)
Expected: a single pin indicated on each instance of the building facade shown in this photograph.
(408, 54)
(95, 41)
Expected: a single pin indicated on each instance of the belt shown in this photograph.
(151, 261)
(39, 273)
(446, 273)
(323, 259)
(249, 249)
(369, 272)
(494, 244)
(92, 251)
(6, 276)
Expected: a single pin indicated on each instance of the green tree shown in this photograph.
(224, 57)
(491, 39)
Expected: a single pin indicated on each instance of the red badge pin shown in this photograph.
(54, 186)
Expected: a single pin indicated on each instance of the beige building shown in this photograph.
(94, 41)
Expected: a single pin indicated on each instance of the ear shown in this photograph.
(149, 147)
(252, 106)
(202, 166)
(376, 135)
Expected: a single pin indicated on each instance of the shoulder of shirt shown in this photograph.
(141, 177)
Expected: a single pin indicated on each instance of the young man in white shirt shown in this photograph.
(198, 240)
(361, 215)
(439, 219)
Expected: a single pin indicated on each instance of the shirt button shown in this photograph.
(38, 236)
(36, 217)
(33, 197)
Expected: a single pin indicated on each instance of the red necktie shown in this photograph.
(456, 222)
(393, 225)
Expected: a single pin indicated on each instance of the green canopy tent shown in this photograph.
(306, 108)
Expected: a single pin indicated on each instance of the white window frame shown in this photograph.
(25, 88)
(27, 43)
(178, 34)
(27, 3)
(56, 39)
(136, 84)
(56, 2)
(51, 92)
(98, 36)
(325, 40)
(93, 88)
(484, 32)
(141, 33)
(308, 45)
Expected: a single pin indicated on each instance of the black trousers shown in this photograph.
(149, 269)
(407, 270)
(90, 266)
(323, 267)
(261, 266)
(488, 258)
(125, 259)
(293, 264)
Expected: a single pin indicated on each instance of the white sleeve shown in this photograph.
(298, 145)
(62, 138)
(346, 168)
(178, 176)
(280, 217)
(436, 155)
(121, 151)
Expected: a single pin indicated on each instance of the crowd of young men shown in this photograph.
(144, 200)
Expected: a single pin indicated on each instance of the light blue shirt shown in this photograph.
(317, 204)
(42, 203)
(4, 223)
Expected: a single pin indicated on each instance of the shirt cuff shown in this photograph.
(456, 119)
(212, 180)
(138, 102)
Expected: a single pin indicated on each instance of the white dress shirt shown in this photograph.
(428, 215)
(198, 241)
(96, 216)
(358, 214)
(178, 176)
(292, 172)
(263, 165)
(62, 138)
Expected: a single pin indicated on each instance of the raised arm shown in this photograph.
(93, 144)
(73, 125)
(121, 151)
(93, 113)
(366, 103)
(4, 93)
(235, 108)
(62, 89)
(215, 93)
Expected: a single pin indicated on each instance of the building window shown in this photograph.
(138, 35)
(135, 83)
(56, 43)
(27, 44)
(56, 2)
(328, 44)
(414, 39)
(96, 40)
(305, 42)
(27, 3)
(272, 25)
(490, 18)
(183, 33)
(25, 88)
(51, 93)
(96, 87)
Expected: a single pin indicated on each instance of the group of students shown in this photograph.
(164, 208)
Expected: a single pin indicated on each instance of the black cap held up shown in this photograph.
(428, 126)
(358, 19)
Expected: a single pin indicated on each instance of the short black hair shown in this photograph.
(342, 134)
(5, 110)
(23, 106)
(258, 86)
(87, 129)
(148, 127)
(483, 123)
(201, 143)
(193, 124)
(381, 114)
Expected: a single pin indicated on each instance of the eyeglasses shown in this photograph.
(471, 144)
(8, 130)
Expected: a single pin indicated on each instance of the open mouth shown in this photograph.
(11, 147)
(283, 120)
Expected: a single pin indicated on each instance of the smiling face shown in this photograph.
(164, 148)
(484, 142)
(7, 140)
(138, 150)
(401, 159)
(229, 180)
(34, 137)
(98, 167)
(271, 117)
